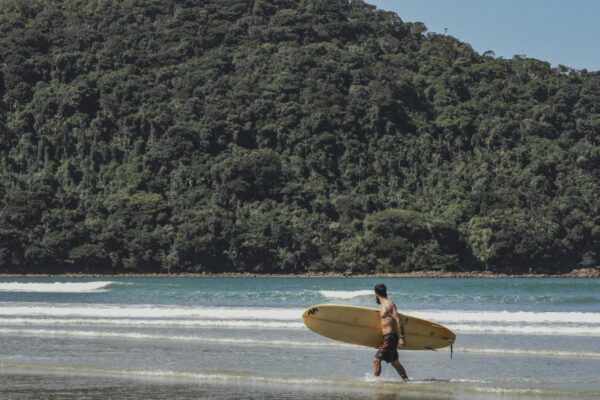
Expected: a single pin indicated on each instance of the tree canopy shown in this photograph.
(284, 136)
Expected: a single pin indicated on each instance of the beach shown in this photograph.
(239, 338)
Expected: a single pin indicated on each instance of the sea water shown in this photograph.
(243, 338)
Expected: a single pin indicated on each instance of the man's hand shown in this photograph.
(401, 342)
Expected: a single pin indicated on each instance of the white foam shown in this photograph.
(147, 336)
(528, 329)
(520, 322)
(528, 317)
(516, 391)
(55, 287)
(343, 294)
(527, 352)
(149, 311)
(203, 323)
(290, 314)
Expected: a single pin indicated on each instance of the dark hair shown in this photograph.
(381, 290)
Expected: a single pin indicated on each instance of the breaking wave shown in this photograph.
(56, 287)
(345, 294)
(460, 321)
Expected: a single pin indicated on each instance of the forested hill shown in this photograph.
(284, 136)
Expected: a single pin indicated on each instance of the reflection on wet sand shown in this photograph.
(34, 387)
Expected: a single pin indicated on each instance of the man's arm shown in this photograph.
(396, 315)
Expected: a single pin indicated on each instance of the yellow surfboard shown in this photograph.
(362, 326)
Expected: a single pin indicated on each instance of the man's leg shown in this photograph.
(401, 371)
(376, 366)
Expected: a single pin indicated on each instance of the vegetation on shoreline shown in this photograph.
(576, 273)
(284, 136)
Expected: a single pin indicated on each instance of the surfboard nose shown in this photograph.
(449, 336)
(445, 333)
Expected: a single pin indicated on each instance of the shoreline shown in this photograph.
(576, 273)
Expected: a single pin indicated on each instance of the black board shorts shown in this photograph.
(388, 350)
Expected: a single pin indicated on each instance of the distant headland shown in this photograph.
(285, 137)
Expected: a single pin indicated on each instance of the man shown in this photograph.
(392, 329)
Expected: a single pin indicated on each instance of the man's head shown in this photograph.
(380, 292)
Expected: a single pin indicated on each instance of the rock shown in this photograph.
(585, 273)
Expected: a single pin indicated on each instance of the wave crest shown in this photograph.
(55, 287)
(345, 294)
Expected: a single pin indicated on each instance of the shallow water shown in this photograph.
(194, 338)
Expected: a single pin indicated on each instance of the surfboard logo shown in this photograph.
(313, 311)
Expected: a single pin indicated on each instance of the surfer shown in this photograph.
(392, 329)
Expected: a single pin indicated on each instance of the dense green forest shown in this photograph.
(284, 136)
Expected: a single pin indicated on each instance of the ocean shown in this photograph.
(243, 338)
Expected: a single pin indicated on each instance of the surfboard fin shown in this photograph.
(451, 350)
(430, 348)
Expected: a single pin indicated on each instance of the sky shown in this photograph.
(563, 32)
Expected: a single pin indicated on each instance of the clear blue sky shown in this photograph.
(563, 32)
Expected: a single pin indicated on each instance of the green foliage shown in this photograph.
(284, 136)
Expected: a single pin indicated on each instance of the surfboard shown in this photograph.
(362, 326)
